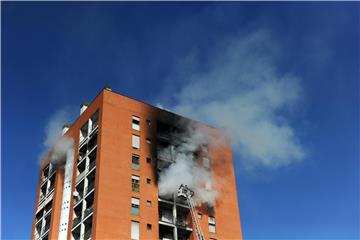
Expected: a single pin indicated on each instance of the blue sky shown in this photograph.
(56, 54)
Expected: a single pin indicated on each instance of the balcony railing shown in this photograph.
(183, 223)
(92, 165)
(87, 235)
(78, 198)
(76, 221)
(88, 211)
(89, 188)
(41, 199)
(46, 228)
(166, 217)
(83, 173)
(80, 176)
(51, 189)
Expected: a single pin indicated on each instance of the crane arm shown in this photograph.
(187, 193)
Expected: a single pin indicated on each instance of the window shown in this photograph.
(135, 230)
(136, 123)
(135, 183)
(135, 142)
(84, 130)
(148, 203)
(148, 122)
(199, 215)
(148, 160)
(206, 162)
(135, 206)
(148, 226)
(94, 120)
(148, 141)
(135, 162)
(148, 180)
(211, 221)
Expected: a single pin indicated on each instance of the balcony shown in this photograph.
(88, 211)
(52, 172)
(91, 165)
(50, 190)
(41, 198)
(87, 235)
(89, 188)
(76, 221)
(80, 176)
(183, 223)
(43, 180)
(166, 216)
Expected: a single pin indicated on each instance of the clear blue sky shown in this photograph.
(55, 54)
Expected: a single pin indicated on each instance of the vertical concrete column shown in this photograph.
(175, 218)
(66, 198)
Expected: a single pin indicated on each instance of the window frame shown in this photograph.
(135, 123)
(135, 183)
(135, 166)
(135, 141)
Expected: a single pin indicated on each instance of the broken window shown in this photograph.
(135, 142)
(135, 230)
(135, 162)
(136, 123)
(135, 183)
(135, 206)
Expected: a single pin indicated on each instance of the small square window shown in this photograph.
(148, 141)
(148, 122)
(148, 226)
(148, 203)
(199, 215)
(148, 180)
(148, 160)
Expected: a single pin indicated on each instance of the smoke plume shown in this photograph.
(191, 167)
(55, 144)
(241, 89)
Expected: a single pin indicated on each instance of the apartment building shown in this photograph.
(106, 185)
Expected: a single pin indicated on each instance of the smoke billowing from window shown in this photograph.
(192, 166)
(55, 144)
(239, 86)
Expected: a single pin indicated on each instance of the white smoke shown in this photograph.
(189, 168)
(242, 90)
(55, 144)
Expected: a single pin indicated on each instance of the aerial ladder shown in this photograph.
(186, 193)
